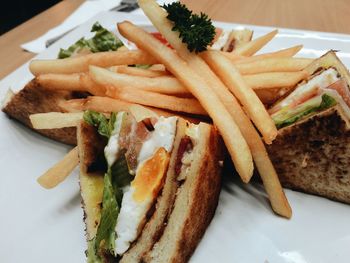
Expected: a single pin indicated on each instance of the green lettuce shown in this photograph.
(327, 102)
(104, 241)
(104, 126)
(103, 40)
(116, 177)
(91, 254)
(109, 214)
(120, 171)
(288, 117)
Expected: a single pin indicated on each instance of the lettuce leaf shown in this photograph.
(120, 171)
(91, 254)
(103, 40)
(116, 177)
(104, 126)
(109, 215)
(327, 102)
(289, 117)
(104, 241)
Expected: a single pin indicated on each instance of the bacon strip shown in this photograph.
(185, 145)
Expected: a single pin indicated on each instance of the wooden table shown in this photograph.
(320, 15)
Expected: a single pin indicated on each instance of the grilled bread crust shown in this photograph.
(91, 183)
(35, 99)
(313, 155)
(195, 203)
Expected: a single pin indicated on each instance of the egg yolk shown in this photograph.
(150, 176)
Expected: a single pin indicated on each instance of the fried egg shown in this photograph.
(150, 174)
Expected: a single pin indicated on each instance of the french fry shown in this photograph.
(270, 80)
(277, 198)
(157, 100)
(61, 81)
(250, 48)
(7, 98)
(72, 82)
(163, 85)
(140, 72)
(236, 144)
(108, 105)
(283, 53)
(81, 63)
(96, 103)
(60, 171)
(224, 68)
(273, 65)
(55, 120)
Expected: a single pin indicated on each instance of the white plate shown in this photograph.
(38, 225)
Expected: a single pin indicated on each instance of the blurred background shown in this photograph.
(15, 12)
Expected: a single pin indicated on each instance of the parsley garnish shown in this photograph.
(196, 31)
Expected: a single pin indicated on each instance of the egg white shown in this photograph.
(131, 216)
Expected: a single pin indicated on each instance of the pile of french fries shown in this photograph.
(232, 88)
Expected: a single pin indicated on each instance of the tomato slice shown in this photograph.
(160, 37)
(306, 96)
(342, 88)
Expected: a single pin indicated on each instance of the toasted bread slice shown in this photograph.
(35, 99)
(313, 155)
(195, 204)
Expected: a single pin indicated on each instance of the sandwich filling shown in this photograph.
(229, 40)
(152, 163)
(323, 91)
(186, 152)
(222, 40)
(137, 158)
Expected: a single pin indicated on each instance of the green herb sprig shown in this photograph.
(197, 31)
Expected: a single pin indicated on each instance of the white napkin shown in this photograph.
(87, 10)
(83, 13)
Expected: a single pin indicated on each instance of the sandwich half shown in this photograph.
(149, 185)
(312, 150)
